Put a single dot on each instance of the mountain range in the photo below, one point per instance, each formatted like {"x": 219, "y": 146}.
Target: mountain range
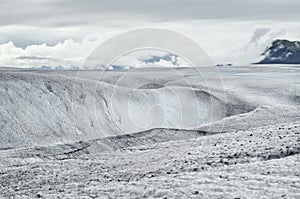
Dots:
{"x": 282, "y": 51}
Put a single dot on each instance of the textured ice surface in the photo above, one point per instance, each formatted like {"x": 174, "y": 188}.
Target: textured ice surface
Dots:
{"x": 60, "y": 136}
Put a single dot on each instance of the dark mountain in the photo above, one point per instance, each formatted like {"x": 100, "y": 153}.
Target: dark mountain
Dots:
{"x": 282, "y": 52}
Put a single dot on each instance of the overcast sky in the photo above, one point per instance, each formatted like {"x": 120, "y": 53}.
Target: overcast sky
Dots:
{"x": 64, "y": 32}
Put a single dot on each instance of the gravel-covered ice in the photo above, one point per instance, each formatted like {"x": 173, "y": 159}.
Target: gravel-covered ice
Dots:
{"x": 61, "y": 137}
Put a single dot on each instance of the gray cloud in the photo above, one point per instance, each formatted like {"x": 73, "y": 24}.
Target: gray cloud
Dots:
{"x": 78, "y": 12}
{"x": 258, "y": 33}
{"x": 36, "y": 58}
{"x": 25, "y": 36}
{"x": 221, "y": 26}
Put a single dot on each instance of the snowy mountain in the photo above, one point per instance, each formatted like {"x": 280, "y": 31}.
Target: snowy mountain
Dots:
{"x": 282, "y": 52}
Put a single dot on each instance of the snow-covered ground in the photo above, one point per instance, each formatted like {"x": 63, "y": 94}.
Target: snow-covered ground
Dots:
{"x": 153, "y": 132}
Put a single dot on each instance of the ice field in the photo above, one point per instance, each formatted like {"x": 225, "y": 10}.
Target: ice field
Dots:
{"x": 151, "y": 132}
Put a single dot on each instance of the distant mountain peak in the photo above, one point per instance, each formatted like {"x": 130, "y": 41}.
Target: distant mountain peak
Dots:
{"x": 282, "y": 51}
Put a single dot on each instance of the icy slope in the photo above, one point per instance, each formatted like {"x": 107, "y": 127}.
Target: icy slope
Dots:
{"x": 39, "y": 109}
{"x": 48, "y": 107}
